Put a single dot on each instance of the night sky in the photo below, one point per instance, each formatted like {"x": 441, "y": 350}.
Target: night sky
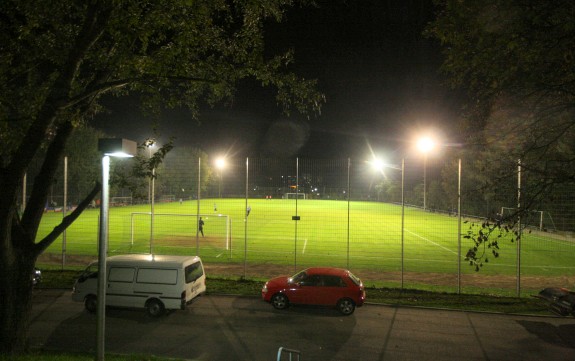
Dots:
{"x": 379, "y": 74}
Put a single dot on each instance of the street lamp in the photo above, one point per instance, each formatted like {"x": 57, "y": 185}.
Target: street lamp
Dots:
{"x": 111, "y": 147}
{"x": 151, "y": 143}
{"x": 425, "y": 145}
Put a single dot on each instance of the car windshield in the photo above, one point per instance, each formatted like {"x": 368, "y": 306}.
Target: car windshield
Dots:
{"x": 298, "y": 277}
{"x": 354, "y": 278}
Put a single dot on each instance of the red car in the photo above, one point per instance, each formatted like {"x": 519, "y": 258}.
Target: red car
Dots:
{"x": 316, "y": 286}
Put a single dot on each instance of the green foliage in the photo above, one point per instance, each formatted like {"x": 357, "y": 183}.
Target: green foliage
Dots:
{"x": 516, "y": 61}
{"x": 59, "y": 57}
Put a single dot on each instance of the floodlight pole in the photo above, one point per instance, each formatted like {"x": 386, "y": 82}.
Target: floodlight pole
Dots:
{"x": 402, "y": 218}
{"x": 425, "y": 182}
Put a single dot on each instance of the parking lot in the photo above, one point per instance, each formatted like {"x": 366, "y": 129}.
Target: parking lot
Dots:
{"x": 240, "y": 328}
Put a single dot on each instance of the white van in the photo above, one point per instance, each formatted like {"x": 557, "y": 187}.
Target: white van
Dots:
{"x": 154, "y": 282}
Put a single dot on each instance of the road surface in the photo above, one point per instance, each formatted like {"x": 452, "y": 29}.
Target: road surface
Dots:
{"x": 240, "y": 328}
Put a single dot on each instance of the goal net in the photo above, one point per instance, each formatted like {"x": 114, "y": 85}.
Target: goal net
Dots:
{"x": 172, "y": 230}
{"x": 294, "y": 196}
{"x": 167, "y": 198}
{"x": 540, "y": 220}
{"x": 120, "y": 201}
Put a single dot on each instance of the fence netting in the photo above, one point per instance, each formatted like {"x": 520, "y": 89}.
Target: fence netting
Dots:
{"x": 401, "y": 225}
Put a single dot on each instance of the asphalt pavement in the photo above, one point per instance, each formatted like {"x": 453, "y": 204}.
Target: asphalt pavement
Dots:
{"x": 243, "y": 328}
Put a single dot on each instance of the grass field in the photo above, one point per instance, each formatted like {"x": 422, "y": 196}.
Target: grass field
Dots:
{"x": 363, "y": 236}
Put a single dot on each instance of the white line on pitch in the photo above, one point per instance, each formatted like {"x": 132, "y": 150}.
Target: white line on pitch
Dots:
{"x": 304, "y": 246}
{"x": 430, "y": 241}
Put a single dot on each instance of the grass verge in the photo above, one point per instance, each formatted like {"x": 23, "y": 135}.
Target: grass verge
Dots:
{"x": 53, "y": 278}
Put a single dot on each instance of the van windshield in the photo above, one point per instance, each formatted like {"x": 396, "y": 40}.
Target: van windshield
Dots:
{"x": 91, "y": 271}
{"x": 193, "y": 272}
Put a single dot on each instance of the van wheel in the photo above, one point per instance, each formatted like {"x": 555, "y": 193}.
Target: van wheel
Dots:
{"x": 91, "y": 303}
{"x": 155, "y": 307}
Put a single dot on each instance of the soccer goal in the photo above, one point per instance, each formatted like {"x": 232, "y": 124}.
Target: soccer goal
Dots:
{"x": 167, "y": 198}
{"x": 294, "y": 196}
{"x": 120, "y": 201}
{"x": 175, "y": 230}
{"x": 540, "y": 220}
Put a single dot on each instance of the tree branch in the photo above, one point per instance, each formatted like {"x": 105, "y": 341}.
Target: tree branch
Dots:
{"x": 67, "y": 221}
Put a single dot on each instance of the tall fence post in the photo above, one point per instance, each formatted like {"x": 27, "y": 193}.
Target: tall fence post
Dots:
{"x": 459, "y": 227}
{"x": 402, "y": 219}
{"x": 198, "y": 207}
{"x": 64, "y": 210}
{"x": 296, "y": 214}
{"x": 246, "y": 222}
{"x": 348, "y": 206}
{"x": 519, "y": 235}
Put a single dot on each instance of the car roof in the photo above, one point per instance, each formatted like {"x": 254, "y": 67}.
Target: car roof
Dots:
{"x": 327, "y": 271}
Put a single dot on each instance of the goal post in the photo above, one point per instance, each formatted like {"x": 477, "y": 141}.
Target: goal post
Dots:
{"x": 167, "y": 198}
{"x": 175, "y": 226}
{"x": 294, "y": 196}
{"x": 540, "y": 220}
{"x": 120, "y": 201}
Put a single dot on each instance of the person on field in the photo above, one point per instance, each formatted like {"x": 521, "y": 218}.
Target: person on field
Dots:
{"x": 201, "y": 226}
{"x": 248, "y": 210}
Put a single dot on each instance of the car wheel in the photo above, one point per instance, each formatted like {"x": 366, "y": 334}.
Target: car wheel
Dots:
{"x": 91, "y": 303}
{"x": 346, "y": 306}
{"x": 280, "y": 301}
{"x": 155, "y": 307}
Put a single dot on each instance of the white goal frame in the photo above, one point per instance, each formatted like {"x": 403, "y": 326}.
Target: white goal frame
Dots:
{"x": 228, "y": 223}
{"x": 540, "y": 216}
{"x": 295, "y": 196}
{"x": 167, "y": 198}
{"x": 120, "y": 200}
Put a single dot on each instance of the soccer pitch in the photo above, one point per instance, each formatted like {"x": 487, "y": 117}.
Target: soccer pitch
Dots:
{"x": 362, "y": 236}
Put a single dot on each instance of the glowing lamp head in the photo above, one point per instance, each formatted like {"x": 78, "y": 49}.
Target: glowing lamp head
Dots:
{"x": 425, "y": 144}
{"x": 220, "y": 163}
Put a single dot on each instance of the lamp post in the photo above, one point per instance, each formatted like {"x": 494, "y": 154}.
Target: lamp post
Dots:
{"x": 151, "y": 143}
{"x": 425, "y": 145}
{"x": 120, "y": 148}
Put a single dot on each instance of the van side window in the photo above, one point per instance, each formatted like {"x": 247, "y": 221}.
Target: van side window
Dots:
{"x": 121, "y": 274}
{"x": 194, "y": 271}
{"x": 157, "y": 276}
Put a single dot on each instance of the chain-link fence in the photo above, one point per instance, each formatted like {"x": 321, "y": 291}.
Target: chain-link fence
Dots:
{"x": 396, "y": 225}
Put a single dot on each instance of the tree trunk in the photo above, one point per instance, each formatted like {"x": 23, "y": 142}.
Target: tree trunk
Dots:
{"x": 16, "y": 299}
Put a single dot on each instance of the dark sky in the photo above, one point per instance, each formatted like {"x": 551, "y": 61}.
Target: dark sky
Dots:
{"x": 379, "y": 74}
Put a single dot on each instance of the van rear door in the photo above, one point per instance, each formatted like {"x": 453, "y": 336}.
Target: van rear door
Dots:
{"x": 194, "y": 279}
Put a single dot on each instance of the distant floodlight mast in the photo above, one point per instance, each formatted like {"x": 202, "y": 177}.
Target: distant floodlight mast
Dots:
{"x": 119, "y": 148}
{"x": 220, "y": 165}
{"x": 425, "y": 145}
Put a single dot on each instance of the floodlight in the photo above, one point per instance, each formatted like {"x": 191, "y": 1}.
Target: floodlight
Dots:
{"x": 220, "y": 163}
{"x": 425, "y": 144}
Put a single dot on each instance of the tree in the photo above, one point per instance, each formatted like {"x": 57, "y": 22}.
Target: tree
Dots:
{"x": 515, "y": 59}
{"x": 59, "y": 57}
